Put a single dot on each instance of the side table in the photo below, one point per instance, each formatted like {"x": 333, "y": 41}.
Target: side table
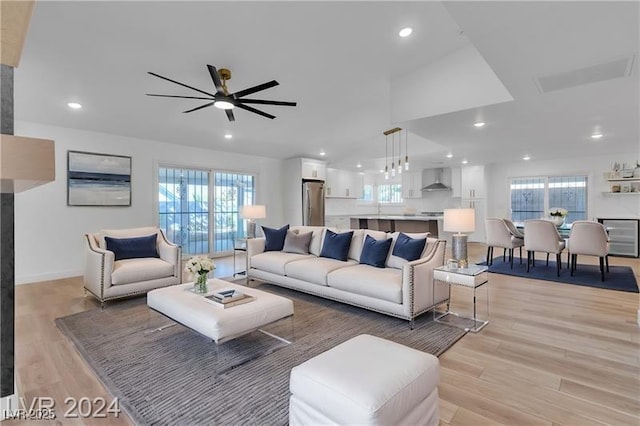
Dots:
{"x": 239, "y": 245}
{"x": 472, "y": 277}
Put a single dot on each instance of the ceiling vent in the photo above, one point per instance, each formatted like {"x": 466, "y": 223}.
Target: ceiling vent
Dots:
{"x": 614, "y": 69}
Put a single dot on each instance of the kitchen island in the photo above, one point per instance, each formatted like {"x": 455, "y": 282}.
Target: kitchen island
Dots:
{"x": 397, "y": 223}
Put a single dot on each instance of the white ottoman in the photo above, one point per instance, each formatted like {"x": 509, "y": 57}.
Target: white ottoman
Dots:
{"x": 366, "y": 381}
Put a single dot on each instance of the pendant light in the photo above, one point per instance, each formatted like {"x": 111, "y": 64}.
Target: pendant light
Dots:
{"x": 393, "y": 164}
{"x": 386, "y": 154}
{"x": 406, "y": 149}
{"x": 399, "y": 153}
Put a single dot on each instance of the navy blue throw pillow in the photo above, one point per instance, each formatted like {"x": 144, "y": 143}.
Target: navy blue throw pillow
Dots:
{"x": 336, "y": 246}
{"x": 133, "y": 248}
{"x": 408, "y": 248}
{"x": 274, "y": 238}
{"x": 374, "y": 252}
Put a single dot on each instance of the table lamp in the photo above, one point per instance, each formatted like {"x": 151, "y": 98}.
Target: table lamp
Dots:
{"x": 251, "y": 213}
{"x": 459, "y": 220}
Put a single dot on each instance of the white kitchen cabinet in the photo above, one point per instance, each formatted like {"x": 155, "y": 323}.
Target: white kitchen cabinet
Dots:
{"x": 412, "y": 184}
{"x": 456, "y": 182}
{"x": 343, "y": 184}
{"x": 313, "y": 169}
{"x": 471, "y": 182}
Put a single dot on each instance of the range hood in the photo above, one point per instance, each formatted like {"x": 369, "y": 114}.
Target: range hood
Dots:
{"x": 436, "y": 185}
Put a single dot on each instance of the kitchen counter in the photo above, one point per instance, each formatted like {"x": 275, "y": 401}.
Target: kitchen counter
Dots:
{"x": 397, "y": 223}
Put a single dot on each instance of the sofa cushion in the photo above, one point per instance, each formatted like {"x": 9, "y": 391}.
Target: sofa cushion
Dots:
{"x": 383, "y": 284}
{"x": 358, "y": 239}
{"x": 336, "y": 246}
{"x": 374, "y": 252}
{"x": 297, "y": 243}
{"x": 315, "y": 269}
{"x": 123, "y": 233}
{"x": 398, "y": 262}
{"x": 316, "y": 238}
{"x": 274, "y": 238}
{"x": 133, "y": 248}
{"x": 135, "y": 270}
{"x": 409, "y": 248}
{"x": 275, "y": 261}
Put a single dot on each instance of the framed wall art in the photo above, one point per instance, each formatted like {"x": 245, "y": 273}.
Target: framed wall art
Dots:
{"x": 98, "y": 179}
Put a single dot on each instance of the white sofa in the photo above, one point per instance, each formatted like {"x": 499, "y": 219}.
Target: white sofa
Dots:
{"x": 106, "y": 279}
{"x": 405, "y": 292}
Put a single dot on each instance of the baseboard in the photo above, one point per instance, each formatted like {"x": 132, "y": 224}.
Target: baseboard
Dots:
{"x": 48, "y": 276}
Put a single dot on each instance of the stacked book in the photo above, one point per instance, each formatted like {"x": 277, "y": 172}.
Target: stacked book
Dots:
{"x": 228, "y": 298}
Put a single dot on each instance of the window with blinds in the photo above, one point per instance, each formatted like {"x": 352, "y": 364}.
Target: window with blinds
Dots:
{"x": 531, "y": 198}
{"x": 232, "y": 191}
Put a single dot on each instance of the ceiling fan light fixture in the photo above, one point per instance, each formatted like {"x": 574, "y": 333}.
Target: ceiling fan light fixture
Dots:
{"x": 223, "y": 105}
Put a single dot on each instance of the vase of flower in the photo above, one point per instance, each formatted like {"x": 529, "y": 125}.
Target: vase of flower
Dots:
{"x": 199, "y": 267}
{"x": 557, "y": 216}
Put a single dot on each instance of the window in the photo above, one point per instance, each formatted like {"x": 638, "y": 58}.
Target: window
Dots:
{"x": 531, "y": 198}
{"x": 390, "y": 193}
{"x": 367, "y": 193}
{"x": 183, "y": 208}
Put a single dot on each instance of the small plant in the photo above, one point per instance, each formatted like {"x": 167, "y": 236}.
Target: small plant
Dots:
{"x": 558, "y": 212}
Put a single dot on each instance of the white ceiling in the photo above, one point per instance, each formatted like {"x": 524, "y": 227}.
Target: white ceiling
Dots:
{"x": 337, "y": 60}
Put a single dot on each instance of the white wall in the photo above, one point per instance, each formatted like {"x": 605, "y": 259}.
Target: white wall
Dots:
{"x": 49, "y": 234}
{"x": 599, "y": 205}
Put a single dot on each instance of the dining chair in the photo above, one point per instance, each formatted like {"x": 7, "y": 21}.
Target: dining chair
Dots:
{"x": 590, "y": 239}
{"x": 498, "y": 235}
{"x": 541, "y": 235}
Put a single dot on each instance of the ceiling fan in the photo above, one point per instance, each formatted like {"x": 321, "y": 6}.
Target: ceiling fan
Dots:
{"x": 223, "y": 99}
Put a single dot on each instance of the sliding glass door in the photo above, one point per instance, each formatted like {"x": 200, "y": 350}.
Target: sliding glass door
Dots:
{"x": 232, "y": 191}
{"x": 183, "y": 208}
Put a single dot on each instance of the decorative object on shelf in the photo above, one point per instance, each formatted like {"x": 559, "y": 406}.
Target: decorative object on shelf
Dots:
{"x": 557, "y": 215}
{"x": 98, "y": 179}
{"x": 251, "y": 213}
{"x": 459, "y": 220}
{"x": 199, "y": 267}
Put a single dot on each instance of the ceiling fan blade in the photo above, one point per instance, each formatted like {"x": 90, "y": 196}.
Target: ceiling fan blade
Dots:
{"x": 183, "y": 97}
{"x": 200, "y": 107}
{"x": 181, "y": 84}
{"x": 256, "y": 111}
{"x": 230, "y": 115}
{"x": 255, "y": 89}
{"x": 216, "y": 78}
{"x": 264, "y": 102}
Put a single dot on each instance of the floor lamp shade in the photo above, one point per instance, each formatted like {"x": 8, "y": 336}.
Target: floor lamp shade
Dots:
{"x": 251, "y": 213}
{"x": 459, "y": 220}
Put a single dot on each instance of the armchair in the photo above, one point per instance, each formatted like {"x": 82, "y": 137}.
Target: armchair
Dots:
{"x": 107, "y": 278}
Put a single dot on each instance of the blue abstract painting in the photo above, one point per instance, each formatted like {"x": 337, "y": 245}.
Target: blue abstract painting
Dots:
{"x": 98, "y": 179}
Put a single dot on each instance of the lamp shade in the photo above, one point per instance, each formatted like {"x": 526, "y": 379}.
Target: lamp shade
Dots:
{"x": 253, "y": 212}
{"x": 459, "y": 220}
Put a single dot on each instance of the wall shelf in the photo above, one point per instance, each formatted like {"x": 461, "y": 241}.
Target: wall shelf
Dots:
{"x": 633, "y": 179}
{"x": 620, "y": 193}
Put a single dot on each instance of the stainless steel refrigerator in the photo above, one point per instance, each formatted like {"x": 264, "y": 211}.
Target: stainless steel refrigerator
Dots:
{"x": 312, "y": 202}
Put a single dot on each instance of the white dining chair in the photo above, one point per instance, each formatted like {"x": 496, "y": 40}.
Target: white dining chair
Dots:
{"x": 498, "y": 235}
{"x": 590, "y": 239}
{"x": 542, "y": 236}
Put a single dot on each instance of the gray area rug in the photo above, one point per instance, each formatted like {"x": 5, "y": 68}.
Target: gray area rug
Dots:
{"x": 177, "y": 377}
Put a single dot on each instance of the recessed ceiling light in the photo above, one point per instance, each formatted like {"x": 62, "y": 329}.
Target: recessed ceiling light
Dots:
{"x": 479, "y": 124}
{"x": 228, "y": 135}
{"x": 526, "y": 158}
{"x": 322, "y": 153}
{"x": 596, "y": 135}
{"x": 381, "y": 170}
{"x": 449, "y": 155}
{"x": 359, "y": 165}
{"x": 74, "y": 105}
{"x": 362, "y": 173}
{"x": 465, "y": 161}
{"x": 405, "y": 32}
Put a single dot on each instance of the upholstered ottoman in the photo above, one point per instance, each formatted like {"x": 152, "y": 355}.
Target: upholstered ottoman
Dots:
{"x": 367, "y": 381}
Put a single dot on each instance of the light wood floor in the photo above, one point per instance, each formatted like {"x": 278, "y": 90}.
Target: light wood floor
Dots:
{"x": 552, "y": 354}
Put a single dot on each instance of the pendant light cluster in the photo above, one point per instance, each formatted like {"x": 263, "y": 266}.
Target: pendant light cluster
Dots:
{"x": 399, "y": 168}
